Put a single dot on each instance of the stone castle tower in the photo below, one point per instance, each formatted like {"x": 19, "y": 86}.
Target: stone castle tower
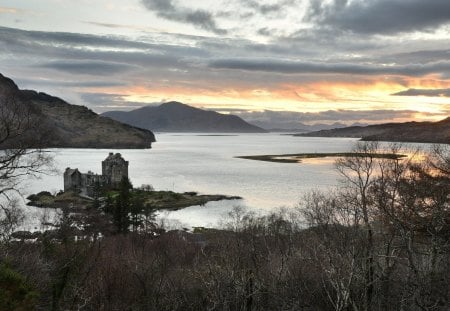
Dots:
{"x": 114, "y": 168}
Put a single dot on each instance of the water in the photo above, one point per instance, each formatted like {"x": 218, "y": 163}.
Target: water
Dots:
{"x": 207, "y": 164}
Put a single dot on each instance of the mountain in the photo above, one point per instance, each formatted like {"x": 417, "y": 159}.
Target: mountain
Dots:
{"x": 65, "y": 125}
{"x": 178, "y": 117}
{"x": 421, "y": 132}
{"x": 304, "y": 128}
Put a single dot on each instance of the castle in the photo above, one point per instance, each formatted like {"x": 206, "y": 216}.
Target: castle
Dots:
{"x": 114, "y": 168}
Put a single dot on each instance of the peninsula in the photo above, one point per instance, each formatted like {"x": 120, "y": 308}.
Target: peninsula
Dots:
{"x": 59, "y": 124}
{"x": 298, "y": 157}
{"x": 416, "y": 132}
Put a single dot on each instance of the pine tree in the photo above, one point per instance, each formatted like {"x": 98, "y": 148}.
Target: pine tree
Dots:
{"x": 122, "y": 208}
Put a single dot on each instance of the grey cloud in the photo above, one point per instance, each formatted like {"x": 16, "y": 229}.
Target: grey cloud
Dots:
{"x": 68, "y": 84}
{"x": 268, "y": 10}
{"x": 420, "y": 55}
{"x": 36, "y": 45}
{"x": 102, "y": 98}
{"x": 264, "y": 31}
{"x": 103, "y": 102}
{"x": 265, "y": 9}
{"x": 297, "y": 67}
{"x": 381, "y": 16}
{"x": 11, "y": 35}
{"x": 199, "y": 18}
{"x": 425, "y": 92}
{"x": 88, "y": 67}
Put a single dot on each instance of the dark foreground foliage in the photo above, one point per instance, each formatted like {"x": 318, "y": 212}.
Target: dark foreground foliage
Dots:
{"x": 266, "y": 264}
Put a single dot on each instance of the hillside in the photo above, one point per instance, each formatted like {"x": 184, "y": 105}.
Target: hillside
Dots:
{"x": 70, "y": 126}
{"x": 421, "y": 132}
{"x": 177, "y": 117}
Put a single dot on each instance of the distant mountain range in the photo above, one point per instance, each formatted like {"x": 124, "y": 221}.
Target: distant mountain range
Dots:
{"x": 305, "y": 128}
{"x": 178, "y": 117}
{"x": 421, "y": 132}
{"x": 71, "y": 126}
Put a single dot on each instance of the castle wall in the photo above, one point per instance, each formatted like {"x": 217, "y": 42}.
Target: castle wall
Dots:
{"x": 114, "y": 168}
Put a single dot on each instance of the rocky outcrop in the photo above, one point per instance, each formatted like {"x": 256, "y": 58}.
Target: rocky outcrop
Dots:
{"x": 73, "y": 126}
{"x": 178, "y": 117}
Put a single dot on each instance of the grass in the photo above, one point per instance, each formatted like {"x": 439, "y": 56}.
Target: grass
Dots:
{"x": 297, "y": 157}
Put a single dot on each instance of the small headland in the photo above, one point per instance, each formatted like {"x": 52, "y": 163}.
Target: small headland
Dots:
{"x": 298, "y": 157}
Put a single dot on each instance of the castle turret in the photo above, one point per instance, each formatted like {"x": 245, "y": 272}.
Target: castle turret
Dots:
{"x": 114, "y": 168}
{"x": 72, "y": 179}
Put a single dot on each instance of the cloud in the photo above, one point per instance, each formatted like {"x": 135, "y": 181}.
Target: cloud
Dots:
{"x": 380, "y": 16}
{"x": 39, "y": 83}
{"x": 425, "y": 92}
{"x": 108, "y": 52}
{"x": 205, "y": 69}
{"x": 15, "y": 36}
{"x": 8, "y": 10}
{"x": 298, "y": 67}
{"x": 88, "y": 67}
{"x": 167, "y": 9}
{"x": 106, "y": 102}
{"x": 266, "y": 9}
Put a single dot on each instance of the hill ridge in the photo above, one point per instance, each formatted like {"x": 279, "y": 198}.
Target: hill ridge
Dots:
{"x": 174, "y": 116}
{"x": 73, "y": 126}
{"x": 412, "y": 131}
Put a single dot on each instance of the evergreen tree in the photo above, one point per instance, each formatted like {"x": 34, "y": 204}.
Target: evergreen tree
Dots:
{"x": 96, "y": 193}
{"x": 122, "y": 206}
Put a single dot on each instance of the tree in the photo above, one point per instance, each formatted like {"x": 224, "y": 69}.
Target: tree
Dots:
{"x": 136, "y": 211}
{"x": 122, "y": 207}
{"x": 15, "y": 292}
{"x": 413, "y": 200}
{"x": 386, "y": 231}
{"x": 23, "y": 133}
{"x": 149, "y": 214}
{"x": 96, "y": 193}
{"x": 358, "y": 174}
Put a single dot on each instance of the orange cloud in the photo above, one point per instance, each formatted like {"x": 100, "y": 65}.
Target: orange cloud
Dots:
{"x": 8, "y": 10}
{"x": 365, "y": 94}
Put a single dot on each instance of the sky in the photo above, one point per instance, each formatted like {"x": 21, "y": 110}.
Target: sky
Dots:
{"x": 273, "y": 61}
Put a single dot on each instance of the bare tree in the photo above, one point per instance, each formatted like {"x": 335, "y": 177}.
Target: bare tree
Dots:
{"x": 413, "y": 201}
{"x": 358, "y": 173}
{"x": 23, "y": 132}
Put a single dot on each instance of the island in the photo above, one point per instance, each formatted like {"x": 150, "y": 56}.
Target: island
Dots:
{"x": 157, "y": 200}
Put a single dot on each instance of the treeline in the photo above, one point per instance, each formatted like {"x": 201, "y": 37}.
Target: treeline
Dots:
{"x": 379, "y": 242}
